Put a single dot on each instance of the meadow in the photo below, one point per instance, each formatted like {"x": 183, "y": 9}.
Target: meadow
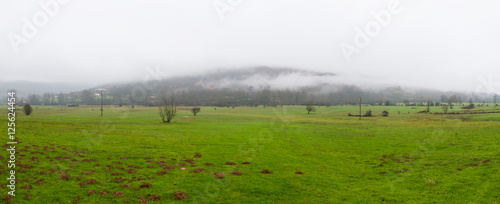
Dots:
{"x": 73, "y": 155}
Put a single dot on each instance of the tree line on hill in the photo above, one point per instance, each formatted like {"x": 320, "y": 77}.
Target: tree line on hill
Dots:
{"x": 343, "y": 95}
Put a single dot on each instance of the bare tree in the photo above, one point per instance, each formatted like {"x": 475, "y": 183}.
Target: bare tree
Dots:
{"x": 196, "y": 110}
{"x": 167, "y": 109}
{"x": 310, "y": 107}
{"x": 445, "y": 109}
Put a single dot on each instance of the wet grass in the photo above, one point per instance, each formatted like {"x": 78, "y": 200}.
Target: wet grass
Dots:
{"x": 406, "y": 157}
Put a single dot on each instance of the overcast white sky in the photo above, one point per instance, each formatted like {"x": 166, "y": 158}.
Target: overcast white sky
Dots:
{"x": 444, "y": 44}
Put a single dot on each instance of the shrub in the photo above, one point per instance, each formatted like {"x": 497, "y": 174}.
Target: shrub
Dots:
{"x": 27, "y": 109}
{"x": 385, "y": 113}
{"x": 196, "y": 110}
{"x": 310, "y": 107}
{"x": 368, "y": 113}
{"x": 445, "y": 109}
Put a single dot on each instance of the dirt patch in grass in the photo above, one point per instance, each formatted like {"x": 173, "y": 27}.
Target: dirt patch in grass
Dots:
{"x": 179, "y": 195}
{"x": 130, "y": 171}
{"x": 246, "y": 162}
{"x": 118, "y": 194}
{"x": 119, "y": 179}
{"x": 161, "y": 173}
{"x": 209, "y": 164}
{"x": 155, "y": 198}
{"x": 299, "y": 172}
{"x": 219, "y": 175}
{"x": 8, "y": 198}
{"x": 135, "y": 167}
{"x": 485, "y": 161}
{"x": 198, "y": 170}
{"x": 90, "y": 192}
{"x": 26, "y": 186}
{"x": 230, "y": 163}
{"x": 126, "y": 186}
{"x": 197, "y": 155}
{"x": 145, "y": 185}
{"x": 236, "y": 173}
{"x": 189, "y": 161}
{"x": 266, "y": 171}
{"x": 39, "y": 182}
{"x": 77, "y": 198}
{"x": 28, "y": 195}
{"x": 143, "y": 199}
{"x": 151, "y": 166}
{"x": 168, "y": 168}
{"x": 89, "y": 182}
{"x": 103, "y": 192}
{"x": 116, "y": 174}
{"x": 88, "y": 172}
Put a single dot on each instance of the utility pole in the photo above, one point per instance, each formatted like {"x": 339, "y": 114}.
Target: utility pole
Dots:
{"x": 428, "y": 105}
{"x": 101, "y": 102}
{"x": 360, "y": 98}
{"x": 495, "y": 101}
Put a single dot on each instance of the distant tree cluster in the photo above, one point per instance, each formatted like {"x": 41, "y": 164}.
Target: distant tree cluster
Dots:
{"x": 187, "y": 94}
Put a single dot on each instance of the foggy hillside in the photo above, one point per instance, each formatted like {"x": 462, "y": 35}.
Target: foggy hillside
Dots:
{"x": 257, "y": 78}
{"x": 26, "y": 88}
{"x": 248, "y": 87}
{"x": 271, "y": 86}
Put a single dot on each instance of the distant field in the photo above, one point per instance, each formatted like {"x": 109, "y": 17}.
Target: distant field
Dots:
{"x": 406, "y": 157}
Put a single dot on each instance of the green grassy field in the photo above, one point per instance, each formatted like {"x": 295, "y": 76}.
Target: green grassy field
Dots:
{"x": 406, "y": 157}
